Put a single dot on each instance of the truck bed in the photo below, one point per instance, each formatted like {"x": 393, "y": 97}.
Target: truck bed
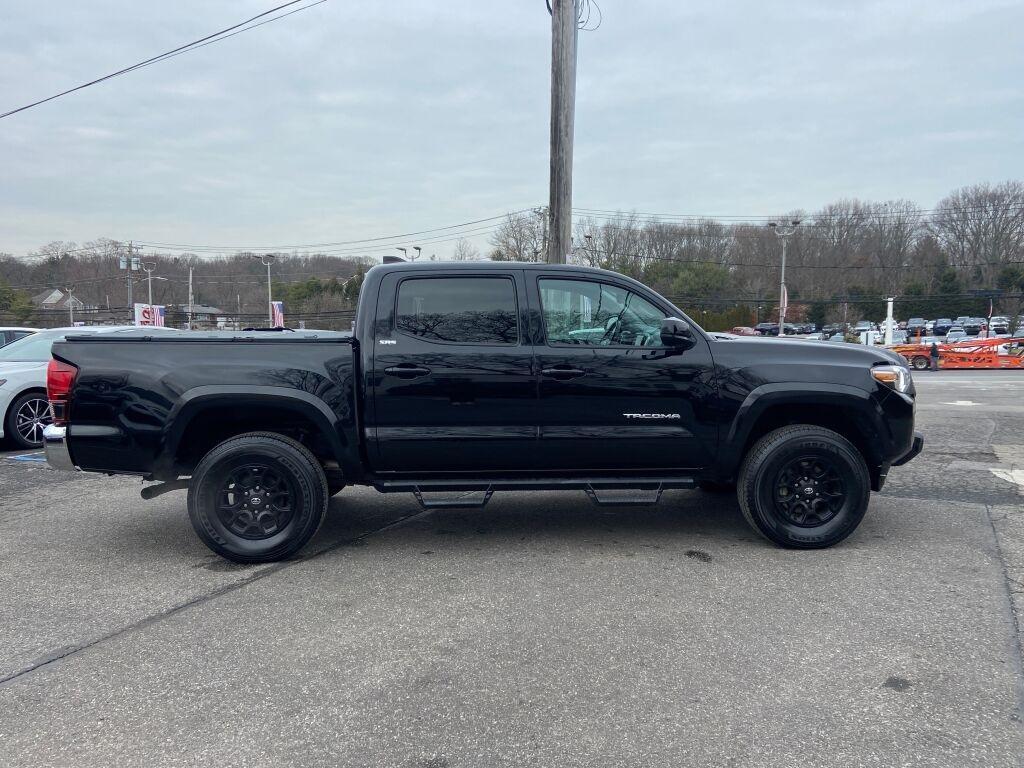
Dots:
{"x": 143, "y": 404}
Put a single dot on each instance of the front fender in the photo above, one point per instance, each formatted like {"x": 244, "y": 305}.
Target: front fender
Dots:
{"x": 864, "y": 410}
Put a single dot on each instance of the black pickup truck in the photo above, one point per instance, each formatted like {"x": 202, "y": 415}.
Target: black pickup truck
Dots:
{"x": 484, "y": 377}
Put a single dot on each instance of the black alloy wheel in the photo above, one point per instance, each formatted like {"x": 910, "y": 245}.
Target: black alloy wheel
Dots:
{"x": 257, "y": 501}
{"x": 257, "y": 497}
{"x": 804, "y": 486}
{"x": 809, "y": 491}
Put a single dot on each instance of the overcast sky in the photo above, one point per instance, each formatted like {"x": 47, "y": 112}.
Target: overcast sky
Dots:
{"x": 360, "y": 119}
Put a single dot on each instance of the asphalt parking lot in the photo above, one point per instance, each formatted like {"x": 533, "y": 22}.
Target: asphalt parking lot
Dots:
{"x": 539, "y": 631}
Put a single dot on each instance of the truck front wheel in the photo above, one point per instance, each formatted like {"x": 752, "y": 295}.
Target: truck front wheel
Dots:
{"x": 804, "y": 486}
{"x": 257, "y": 497}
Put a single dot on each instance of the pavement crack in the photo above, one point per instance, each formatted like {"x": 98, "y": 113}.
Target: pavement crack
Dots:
{"x": 68, "y": 651}
{"x": 1009, "y": 583}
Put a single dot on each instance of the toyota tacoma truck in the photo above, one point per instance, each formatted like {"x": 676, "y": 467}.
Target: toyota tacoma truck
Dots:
{"x": 459, "y": 380}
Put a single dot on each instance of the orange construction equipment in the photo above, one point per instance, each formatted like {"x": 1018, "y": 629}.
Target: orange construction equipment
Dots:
{"x": 974, "y": 353}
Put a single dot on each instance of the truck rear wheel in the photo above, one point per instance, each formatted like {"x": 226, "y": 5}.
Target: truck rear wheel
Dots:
{"x": 804, "y": 486}
{"x": 257, "y": 498}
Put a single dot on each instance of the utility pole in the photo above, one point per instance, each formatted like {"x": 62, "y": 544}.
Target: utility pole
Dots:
{"x": 564, "y": 32}
{"x": 267, "y": 259}
{"x": 784, "y": 232}
{"x": 70, "y": 289}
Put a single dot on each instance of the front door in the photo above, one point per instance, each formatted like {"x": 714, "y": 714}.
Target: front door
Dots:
{"x": 612, "y": 397}
{"x": 452, "y": 375}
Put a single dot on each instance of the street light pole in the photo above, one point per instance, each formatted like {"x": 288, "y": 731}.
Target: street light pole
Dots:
{"x": 267, "y": 259}
{"x": 418, "y": 252}
{"x": 784, "y": 232}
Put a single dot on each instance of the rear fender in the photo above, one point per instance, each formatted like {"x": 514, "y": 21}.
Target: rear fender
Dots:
{"x": 204, "y": 401}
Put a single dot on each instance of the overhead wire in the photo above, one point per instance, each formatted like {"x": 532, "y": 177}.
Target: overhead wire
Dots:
{"x": 199, "y": 43}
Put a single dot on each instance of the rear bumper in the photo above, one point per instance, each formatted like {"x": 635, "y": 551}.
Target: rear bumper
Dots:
{"x": 915, "y": 448}
{"x": 55, "y": 445}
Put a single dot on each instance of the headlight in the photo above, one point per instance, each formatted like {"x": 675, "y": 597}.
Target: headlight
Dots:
{"x": 893, "y": 376}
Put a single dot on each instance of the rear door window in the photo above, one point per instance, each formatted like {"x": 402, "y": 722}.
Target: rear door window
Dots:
{"x": 459, "y": 310}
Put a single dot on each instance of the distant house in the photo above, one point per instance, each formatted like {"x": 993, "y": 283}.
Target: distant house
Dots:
{"x": 202, "y": 314}
{"x": 57, "y": 298}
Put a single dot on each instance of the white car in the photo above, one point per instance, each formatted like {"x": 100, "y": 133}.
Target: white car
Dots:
{"x": 24, "y": 409}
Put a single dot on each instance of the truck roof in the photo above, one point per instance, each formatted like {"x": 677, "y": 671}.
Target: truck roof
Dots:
{"x": 478, "y": 266}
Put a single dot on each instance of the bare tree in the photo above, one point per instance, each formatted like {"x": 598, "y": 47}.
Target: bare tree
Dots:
{"x": 465, "y": 251}
{"x": 521, "y": 237}
{"x": 982, "y": 226}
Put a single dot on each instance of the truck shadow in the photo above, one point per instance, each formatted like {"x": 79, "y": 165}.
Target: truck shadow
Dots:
{"x": 356, "y": 521}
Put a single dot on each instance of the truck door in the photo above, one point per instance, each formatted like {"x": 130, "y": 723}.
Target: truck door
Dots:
{"x": 452, "y": 374}
{"x": 611, "y": 395}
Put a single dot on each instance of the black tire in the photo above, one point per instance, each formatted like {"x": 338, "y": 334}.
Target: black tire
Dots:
{"x": 714, "y": 486}
{"x": 777, "y": 473}
{"x": 34, "y": 407}
{"x": 257, "y": 498}
{"x": 920, "y": 363}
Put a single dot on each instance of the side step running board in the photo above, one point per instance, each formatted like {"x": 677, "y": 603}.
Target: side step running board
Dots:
{"x": 602, "y": 491}
{"x": 612, "y": 498}
{"x": 458, "y": 502}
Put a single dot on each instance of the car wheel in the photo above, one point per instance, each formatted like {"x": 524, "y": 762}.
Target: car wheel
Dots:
{"x": 920, "y": 363}
{"x": 804, "y": 486}
{"x": 257, "y": 498}
{"x": 26, "y": 418}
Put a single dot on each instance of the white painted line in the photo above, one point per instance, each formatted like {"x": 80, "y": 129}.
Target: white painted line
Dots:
{"x": 1015, "y": 476}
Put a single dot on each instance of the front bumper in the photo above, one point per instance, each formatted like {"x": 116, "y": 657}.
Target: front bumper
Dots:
{"x": 55, "y": 445}
{"x": 915, "y": 449}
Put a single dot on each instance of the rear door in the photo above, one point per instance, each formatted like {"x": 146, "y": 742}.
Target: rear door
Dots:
{"x": 452, "y": 373}
{"x": 611, "y": 396}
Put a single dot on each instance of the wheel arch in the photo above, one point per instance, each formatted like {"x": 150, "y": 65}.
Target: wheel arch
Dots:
{"x": 846, "y": 410}
{"x": 206, "y": 416}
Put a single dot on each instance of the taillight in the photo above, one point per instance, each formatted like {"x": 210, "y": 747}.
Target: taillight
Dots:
{"x": 60, "y": 377}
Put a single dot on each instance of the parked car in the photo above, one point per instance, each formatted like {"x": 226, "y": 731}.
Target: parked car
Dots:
{"x": 767, "y": 329}
{"x": 445, "y": 385}
{"x": 941, "y": 326}
{"x": 7, "y": 335}
{"x": 863, "y": 326}
{"x": 999, "y": 325}
{"x": 24, "y": 411}
{"x": 916, "y": 325}
{"x": 743, "y": 330}
{"x": 955, "y": 334}
{"x": 974, "y": 326}
{"x": 834, "y": 328}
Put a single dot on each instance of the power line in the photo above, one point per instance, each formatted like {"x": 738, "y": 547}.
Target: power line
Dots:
{"x": 733, "y": 219}
{"x": 201, "y": 42}
{"x": 295, "y": 246}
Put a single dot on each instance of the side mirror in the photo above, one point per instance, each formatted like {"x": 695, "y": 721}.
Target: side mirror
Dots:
{"x": 677, "y": 333}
